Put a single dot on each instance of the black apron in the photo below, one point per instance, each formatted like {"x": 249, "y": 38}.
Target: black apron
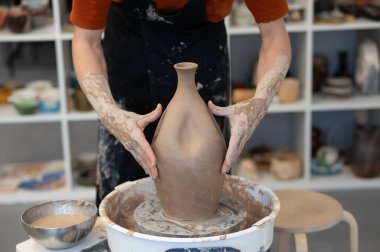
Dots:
{"x": 141, "y": 45}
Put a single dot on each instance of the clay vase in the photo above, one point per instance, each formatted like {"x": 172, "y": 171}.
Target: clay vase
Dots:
{"x": 190, "y": 150}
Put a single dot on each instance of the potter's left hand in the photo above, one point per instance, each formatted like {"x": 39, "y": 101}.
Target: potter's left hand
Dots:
{"x": 244, "y": 117}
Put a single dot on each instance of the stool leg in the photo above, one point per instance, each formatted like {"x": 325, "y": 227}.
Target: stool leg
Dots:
{"x": 301, "y": 242}
{"x": 283, "y": 242}
{"x": 354, "y": 236}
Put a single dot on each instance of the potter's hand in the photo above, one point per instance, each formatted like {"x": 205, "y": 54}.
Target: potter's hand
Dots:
{"x": 245, "y": 116}
{"x": 126, "y": 126}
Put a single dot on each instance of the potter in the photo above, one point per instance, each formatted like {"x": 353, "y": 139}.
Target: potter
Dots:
{"x": 129, "y": 77}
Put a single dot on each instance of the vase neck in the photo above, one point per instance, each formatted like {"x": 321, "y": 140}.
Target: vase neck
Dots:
{"x": 186, "y": 76}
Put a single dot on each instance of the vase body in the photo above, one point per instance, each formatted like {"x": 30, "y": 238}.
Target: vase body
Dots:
{"x": 190, "y": 150}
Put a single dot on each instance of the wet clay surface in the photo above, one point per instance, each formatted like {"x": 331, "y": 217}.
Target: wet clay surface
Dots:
{"x": 190, "y": 150}
{"x": 120, "y": 207}
{"x": 244, "y": 193}
{"x": 150, "y": 219}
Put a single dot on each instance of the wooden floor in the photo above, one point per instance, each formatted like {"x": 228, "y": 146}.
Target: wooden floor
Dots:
{"x": 364, "y": 205}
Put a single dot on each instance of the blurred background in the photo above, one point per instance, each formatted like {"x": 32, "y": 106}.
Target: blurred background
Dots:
{"x": 322, "y": 131}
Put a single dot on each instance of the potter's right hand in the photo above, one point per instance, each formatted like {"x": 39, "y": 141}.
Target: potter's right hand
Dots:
{"x": 128, "y": 128}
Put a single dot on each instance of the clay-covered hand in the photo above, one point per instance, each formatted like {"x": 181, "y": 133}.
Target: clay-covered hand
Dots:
{"x": 126, "y": 126}
{"x": 246, "y": 115}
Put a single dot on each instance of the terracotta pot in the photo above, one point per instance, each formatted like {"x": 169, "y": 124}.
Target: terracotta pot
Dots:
{"x": 364, "y": 158}
{"x": 19, "y": 20}
{"x": 289, "y": 90}
{"x": 242, "y": 94}
{"x": 190, "y": 150}
{"x": 286, "y": 165}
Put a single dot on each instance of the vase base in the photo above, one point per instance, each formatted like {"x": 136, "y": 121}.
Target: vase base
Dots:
{"x": 150, "y": 219}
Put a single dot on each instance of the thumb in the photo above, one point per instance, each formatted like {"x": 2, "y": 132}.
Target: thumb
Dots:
{"x": 151, "y": 117}
{"x": 219, "y": 111}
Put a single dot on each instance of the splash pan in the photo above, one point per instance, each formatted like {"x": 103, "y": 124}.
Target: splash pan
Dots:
{"x": 260, "y": 203}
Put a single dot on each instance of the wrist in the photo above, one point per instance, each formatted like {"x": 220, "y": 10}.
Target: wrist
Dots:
{"x": 260, "y": 94}
{"x": 105, "y": 110}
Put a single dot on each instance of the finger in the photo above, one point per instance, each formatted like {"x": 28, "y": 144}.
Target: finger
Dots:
{"x": 219, "y": 111}
{"x": 140, "y": 141}
{"x": 138, "y": 159}
{"x": 146, "y": 153}
{"x": 151, "y": 158}
{"x": 231, "y": 153}
{"x": 144, "y": 150}
{"x": 151, "y": 117}
{"x": 143, "y": 162}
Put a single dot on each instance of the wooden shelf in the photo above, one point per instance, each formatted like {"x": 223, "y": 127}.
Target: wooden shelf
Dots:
{"x": 357, "y": 102}
{"x": 343, "y": 181}
{"x": 9, "y": 115}
{"x": 246, "y": 30}
{"x": 359, "y": 24}
{"x": 23, "y": 196}
{"x": 82, "y": 116}
{"x": 67, "y": 36}
{"x": 46, "y": 33}
{"x": 298, "y": 106}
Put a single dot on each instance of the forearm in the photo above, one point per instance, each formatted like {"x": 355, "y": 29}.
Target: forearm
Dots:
{"x": 274, "y": 60}
{"x": 90, "y": 68}
{"x": 127, "y": 127}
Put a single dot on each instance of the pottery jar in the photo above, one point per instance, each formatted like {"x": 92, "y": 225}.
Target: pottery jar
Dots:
{"x": 286, "y": 165}
{"x": 190, "y": 150}
{"x": 364, "y": 156}
{"x": 289, "y": 90}
{"x": 18, "y": 20}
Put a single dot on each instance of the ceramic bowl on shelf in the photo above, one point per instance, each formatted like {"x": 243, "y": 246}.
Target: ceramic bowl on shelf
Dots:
{"x": 60, "y": 236}
{"x": 49, "y": 100}
{"x": 85, "y": 166}
{"x": 25, "y": 101}
{"x": 3, "y": 16}
{"x": 242, "y": 94}
{"x": 18, "y": 20}
{"x": 49, "y": 106}
{"x": 39, "y": 86}
{"x": 39, "y": 11}
{"x": 26, "y": 107}
{"x": 327, "y": 161}
{"x": 326, "y": 170}
{"x": 286, "y": 165}
{"x": 289, "y": 90}
{"x": 23, "y": 94}
{"x": 4, "y": 94}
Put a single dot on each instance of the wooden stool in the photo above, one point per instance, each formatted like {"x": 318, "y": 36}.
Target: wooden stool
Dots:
{"x": 304, "y": 212}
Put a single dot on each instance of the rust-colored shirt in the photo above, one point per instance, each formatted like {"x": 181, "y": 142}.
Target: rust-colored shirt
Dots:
{"x": 92, "y": 14}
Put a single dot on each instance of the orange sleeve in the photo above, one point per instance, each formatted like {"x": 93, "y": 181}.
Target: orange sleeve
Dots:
{"x": 90, "y": 14}
{"x": 266, "y": 11}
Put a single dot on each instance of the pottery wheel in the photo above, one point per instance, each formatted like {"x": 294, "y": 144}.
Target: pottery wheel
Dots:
{"x": 150, "y": 219}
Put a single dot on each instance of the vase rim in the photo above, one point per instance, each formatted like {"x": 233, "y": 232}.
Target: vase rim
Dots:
{"x": 186, "y": 65}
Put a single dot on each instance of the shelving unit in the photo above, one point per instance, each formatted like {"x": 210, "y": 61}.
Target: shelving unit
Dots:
{"x": 296, "y": 119}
